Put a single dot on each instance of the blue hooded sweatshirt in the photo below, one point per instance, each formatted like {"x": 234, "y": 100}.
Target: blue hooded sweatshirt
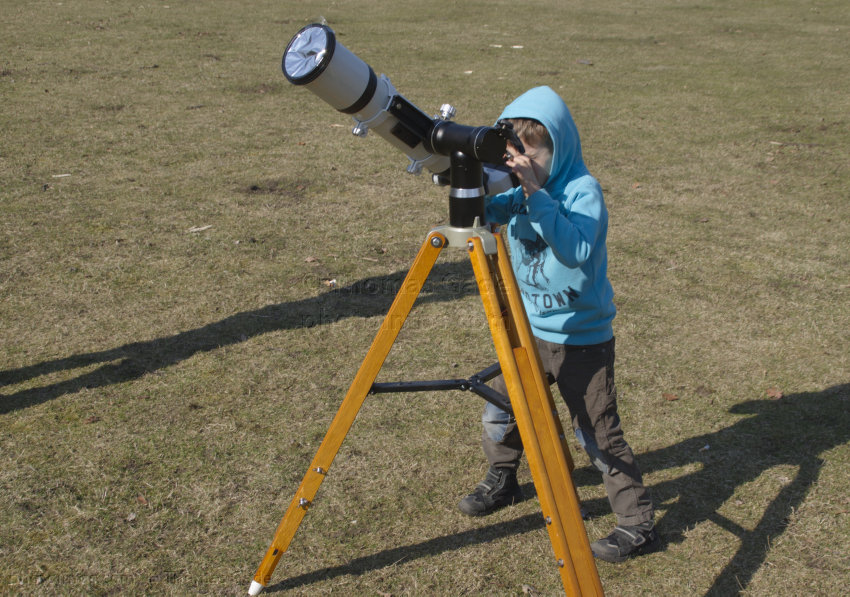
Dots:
{"x": 557, "y": 235}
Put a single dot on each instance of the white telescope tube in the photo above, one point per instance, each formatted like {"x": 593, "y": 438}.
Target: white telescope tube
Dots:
{"x": 315, "y": 60}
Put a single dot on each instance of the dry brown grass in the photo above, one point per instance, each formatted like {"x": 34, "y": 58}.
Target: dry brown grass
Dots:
{"x": 164, "y": 389}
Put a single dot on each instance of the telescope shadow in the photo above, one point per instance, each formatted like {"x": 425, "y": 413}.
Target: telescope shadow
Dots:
{"x": 794, "y": 430}
{"x": 367, "y": 297}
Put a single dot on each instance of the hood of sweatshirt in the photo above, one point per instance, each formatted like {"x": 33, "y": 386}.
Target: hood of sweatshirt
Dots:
{"x": 547, "y": 107}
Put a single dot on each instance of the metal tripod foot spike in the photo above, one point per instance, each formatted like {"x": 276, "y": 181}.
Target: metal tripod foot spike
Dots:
{"x": 528, "y": 390}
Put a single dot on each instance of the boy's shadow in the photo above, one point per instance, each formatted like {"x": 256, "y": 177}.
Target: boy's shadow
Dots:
{"x": 792, "y": 431}
{"x": 367, "y": 297}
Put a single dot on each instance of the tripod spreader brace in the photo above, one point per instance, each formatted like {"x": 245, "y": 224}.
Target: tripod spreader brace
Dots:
{"x": 477, "y": 384}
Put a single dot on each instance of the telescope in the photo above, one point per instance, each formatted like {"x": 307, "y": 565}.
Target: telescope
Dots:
{"x": 315, "y": 60}
{"x": 470, "y": 159}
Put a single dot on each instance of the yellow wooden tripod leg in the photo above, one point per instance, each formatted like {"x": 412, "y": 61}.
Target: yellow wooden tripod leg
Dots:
{"x": 510, "y": 295}
{"x": 539, "y": 426}
{"x": 577, "y": 540}
{"x": 351, "y": 405}
{"x": 501, "y": 333}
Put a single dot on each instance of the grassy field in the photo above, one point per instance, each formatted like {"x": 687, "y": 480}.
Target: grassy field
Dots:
{"x": 172, "y": 350}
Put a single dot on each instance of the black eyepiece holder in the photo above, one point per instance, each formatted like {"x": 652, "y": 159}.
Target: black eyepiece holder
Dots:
{"x": 466, "y": 194}
{"x": 468, "y": 149}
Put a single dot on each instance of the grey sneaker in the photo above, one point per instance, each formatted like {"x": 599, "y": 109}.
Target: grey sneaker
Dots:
{"x": 498, "y": 489}
{"x": 625, "y": 542}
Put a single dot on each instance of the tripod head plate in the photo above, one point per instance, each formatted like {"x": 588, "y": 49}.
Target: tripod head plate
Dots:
{"x": 459, "y": 238}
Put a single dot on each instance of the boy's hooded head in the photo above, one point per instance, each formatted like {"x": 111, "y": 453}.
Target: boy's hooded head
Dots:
{"x": 545, "y": 106}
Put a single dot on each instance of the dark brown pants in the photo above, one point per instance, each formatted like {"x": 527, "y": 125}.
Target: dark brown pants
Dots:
{"x": 585, "y": 378}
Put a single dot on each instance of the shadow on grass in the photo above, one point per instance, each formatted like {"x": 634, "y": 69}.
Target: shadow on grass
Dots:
{"x": 794, "y": 430}
{"x": 369, "y": 297}
{"x": 400, "y": 555}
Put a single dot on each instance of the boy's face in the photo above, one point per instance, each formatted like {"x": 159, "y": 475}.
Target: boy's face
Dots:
{"x": 540, "y": 159}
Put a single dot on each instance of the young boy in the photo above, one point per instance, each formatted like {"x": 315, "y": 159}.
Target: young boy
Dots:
{"x": 556, "y": 229}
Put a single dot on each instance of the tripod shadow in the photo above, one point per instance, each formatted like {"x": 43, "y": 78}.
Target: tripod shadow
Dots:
{"x": 367, "y": 297}
{"x": 794, "y": 430}
{"x": 407, "y": 553}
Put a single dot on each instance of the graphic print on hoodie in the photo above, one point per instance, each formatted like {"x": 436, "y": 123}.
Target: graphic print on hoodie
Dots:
{"x": 532, "y": 262}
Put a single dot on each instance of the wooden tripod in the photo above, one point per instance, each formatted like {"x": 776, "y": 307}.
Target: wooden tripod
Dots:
{"x": 530, "y": 399}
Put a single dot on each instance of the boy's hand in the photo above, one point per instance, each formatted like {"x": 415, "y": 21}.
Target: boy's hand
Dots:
{"x": 522, "y": 166}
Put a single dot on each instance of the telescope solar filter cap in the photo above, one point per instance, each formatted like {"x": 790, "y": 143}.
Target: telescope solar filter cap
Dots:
{"x": 314, "y": 59}
{"x": 308, "y": 54}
